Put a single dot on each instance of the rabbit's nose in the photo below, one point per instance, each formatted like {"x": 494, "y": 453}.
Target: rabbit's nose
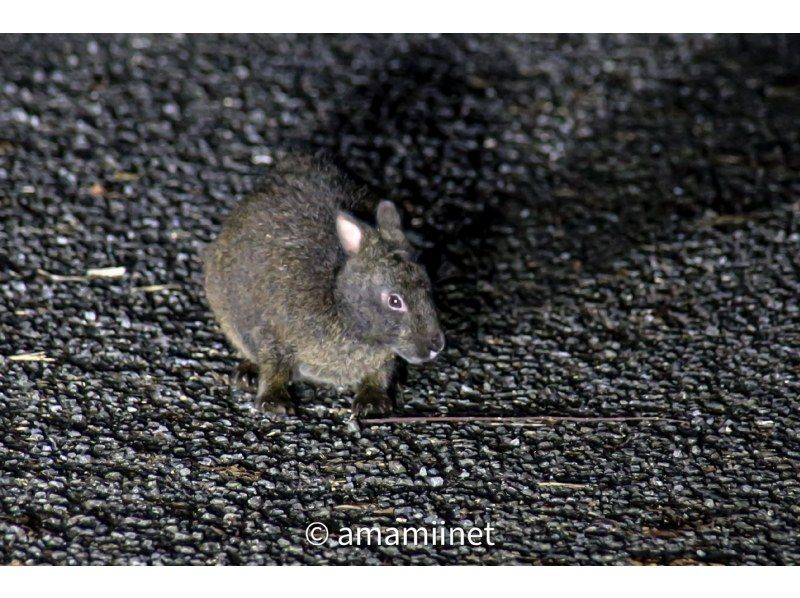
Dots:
{"x": 436, "y": 344}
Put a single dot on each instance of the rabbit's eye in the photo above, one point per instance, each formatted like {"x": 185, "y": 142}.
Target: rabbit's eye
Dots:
{"x": 395, "y": 301}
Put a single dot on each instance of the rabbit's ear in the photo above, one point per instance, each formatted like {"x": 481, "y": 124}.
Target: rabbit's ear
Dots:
{"x": 389, "y": 225}
{"x": 387, "y": 216}
{"x": 350, "y": 234}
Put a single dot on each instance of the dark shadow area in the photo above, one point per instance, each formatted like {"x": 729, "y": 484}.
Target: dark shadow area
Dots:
{"x": 466, "y": 141}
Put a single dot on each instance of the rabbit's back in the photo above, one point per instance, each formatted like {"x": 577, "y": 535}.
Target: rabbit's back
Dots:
{"x": 274, "y": 262}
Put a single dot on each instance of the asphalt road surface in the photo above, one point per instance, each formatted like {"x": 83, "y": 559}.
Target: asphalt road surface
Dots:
{"x": 613, "y": 228}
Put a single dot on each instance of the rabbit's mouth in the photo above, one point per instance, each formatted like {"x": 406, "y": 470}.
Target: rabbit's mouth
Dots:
{"x": 417, "y": 359}
{"x": 424, "y": 349}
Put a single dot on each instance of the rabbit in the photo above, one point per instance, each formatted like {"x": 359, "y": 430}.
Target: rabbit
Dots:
{"x": 307, "y": 292}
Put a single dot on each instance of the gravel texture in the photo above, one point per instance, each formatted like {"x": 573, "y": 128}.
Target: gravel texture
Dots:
{"x": 613, "y": 226}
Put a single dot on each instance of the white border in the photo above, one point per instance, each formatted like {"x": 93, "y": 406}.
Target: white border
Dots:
{"x": 560, "y": 582}
{"x": 399, "y": 15}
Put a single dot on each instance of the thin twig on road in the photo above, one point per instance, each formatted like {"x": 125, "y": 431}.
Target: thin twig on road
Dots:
{"x": 516, "y": 420}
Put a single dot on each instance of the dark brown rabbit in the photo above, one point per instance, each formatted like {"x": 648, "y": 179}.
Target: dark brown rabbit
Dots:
{"x": 305, "y": 291}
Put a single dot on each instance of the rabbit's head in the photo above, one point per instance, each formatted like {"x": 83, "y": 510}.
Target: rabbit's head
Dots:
{"x": 383, "y": 295}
